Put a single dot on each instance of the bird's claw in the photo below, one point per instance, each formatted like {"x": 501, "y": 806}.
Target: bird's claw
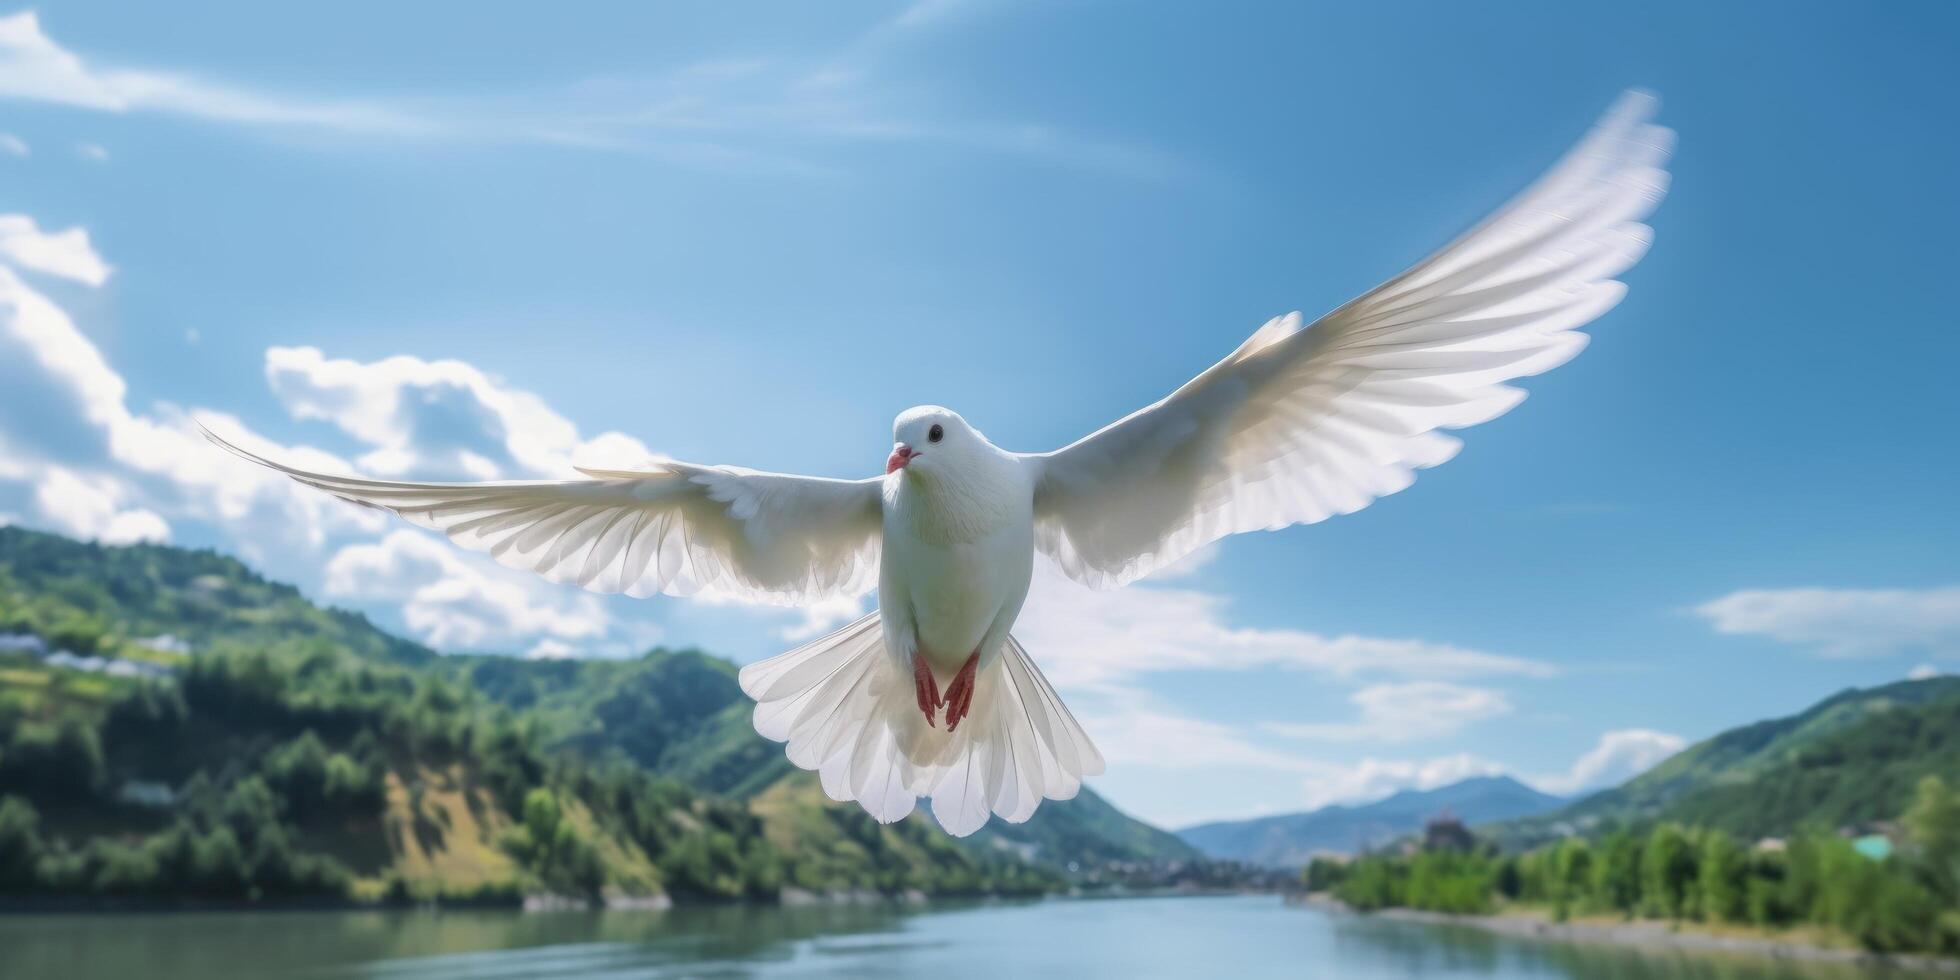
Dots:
{"x": 959, "y": 694}
{"x": 926, "y": 688}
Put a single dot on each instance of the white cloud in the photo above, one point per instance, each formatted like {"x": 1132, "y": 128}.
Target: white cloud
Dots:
{"x": 13, "y": 145}
{"x": 34, "y": 67}
{"x": 441, "y": 419}
{"x": 719, "y": 113}
{"x": 1923, "y": 672}
{"x": 1372, "y": 779}
{"x": 822, "y": 617}
{"x": 1405, "y": 712}
{"x": 93, "y": 509}
{"x": 1130, "y": 727}
{"x": 1843, "y": 622}
{"x": 550, "y": 649}
{"x": 1619, "y": 756}
{"x": 92, "y": 152}
{"x": 1087, "y": 637}
{"x": 67, "y": 425}
{"x": 457, "y": 601}
{"x": 67, "y": 254}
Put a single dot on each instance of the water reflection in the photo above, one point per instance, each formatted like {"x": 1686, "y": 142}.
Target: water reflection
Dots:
{"x": 1240, "y": 937}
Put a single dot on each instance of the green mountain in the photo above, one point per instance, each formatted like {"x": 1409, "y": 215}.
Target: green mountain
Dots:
{"x": 681, "y": 714}
{"x": 173, "y": 726}
{"x": 90, "y": 598}
{"x": 1852, "y": 758}
{"x": 1291, "y": 840}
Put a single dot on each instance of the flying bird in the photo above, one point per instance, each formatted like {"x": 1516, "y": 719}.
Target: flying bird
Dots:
{"x": 931, "y": 695}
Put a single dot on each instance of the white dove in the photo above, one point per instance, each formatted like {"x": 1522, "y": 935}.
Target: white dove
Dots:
{"x": 931, "y": 695}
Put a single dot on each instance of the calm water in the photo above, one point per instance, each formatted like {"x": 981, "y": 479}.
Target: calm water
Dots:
{"x": 1253, "y": 936}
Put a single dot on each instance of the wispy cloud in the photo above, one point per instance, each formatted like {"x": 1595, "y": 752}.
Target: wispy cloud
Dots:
{"x": 1843, "y": 622}
{"x": 1404, "y": 713}
{"x": 780, "y": 113}
{"x": 1099, "y": 638}
{"x": 14, "y": 146}
{"x": 34, "y": 67}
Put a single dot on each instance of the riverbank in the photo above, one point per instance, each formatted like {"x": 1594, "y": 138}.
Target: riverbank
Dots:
{"x": 1647, "y": 934}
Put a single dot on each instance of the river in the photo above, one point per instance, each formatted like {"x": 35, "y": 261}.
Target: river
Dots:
{"x": 1237, "y": 936}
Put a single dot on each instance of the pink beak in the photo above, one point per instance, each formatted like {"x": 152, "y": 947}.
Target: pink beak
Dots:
{"x": 901, "y": 455}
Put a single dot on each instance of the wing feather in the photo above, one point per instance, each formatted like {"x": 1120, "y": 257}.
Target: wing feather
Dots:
{"x": 677, "y": 528}
{"x": 1300, "y": 424}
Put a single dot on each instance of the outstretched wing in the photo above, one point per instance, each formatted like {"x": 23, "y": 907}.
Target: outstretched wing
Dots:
{"x": 1301, "y": 424}
{"x": 679, "y": 528}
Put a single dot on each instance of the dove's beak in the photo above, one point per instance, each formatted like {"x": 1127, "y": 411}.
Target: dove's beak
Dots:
{"x": 901, "y": 455}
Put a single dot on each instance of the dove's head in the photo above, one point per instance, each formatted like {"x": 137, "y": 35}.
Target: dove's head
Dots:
{"x": 929, "y": 439}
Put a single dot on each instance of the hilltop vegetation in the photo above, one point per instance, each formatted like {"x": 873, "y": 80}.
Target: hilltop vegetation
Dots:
{"x": 270, "y": 748}
{"x": 1854, "y": 758}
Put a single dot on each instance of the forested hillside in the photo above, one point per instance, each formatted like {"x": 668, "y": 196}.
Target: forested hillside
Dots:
{"x": 1853, "y": 758}
{"x": 172, "y": 726}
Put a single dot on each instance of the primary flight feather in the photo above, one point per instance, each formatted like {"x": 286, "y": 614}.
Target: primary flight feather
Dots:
{"x": 930, "y": 696}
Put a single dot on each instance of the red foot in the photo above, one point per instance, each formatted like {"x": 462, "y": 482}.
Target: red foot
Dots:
{"x": 959, "y": 694}
{"x": 926, "y": 688}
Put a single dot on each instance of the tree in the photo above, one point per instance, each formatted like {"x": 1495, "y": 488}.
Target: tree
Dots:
{"x": 1616, "y": 874}
{"x": 1721, "y": 878}
{"x": 1667, "y": 874}
{"x": 20, "y": 844}
{"x": 1571, "y": 872}
{"x": 1933, "y": 822}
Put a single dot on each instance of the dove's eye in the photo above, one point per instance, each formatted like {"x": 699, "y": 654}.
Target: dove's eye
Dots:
{"x": 936, "y": 433}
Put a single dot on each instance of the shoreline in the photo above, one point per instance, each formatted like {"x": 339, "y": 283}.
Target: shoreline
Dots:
{"x": 1644, "y": 934}
{"x": 544, "y": 902}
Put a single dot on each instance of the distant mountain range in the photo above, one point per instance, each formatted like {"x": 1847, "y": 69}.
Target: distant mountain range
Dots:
{"x": 1291, "y": 840}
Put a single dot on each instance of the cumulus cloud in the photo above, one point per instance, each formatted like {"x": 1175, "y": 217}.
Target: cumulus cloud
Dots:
{"x": 457, "y": 601}
{"x": 78, "y": 458}
{"x": 66, "y": 254}
{"x": 1093, "y": 637}
{"x": 1405, "y": 712}
{"x": 1619, "y": 756}
{"x": 1923, "y": 672}
{"x": 442, "y": 419}
{"x": 94, "y": 508}
{"x": 1843, "y": 622}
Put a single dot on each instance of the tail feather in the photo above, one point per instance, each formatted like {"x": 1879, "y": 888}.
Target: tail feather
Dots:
{"x": 848, "y": 711}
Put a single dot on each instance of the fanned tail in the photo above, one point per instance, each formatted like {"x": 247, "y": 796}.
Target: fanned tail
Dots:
{"x": 848, "y": 712}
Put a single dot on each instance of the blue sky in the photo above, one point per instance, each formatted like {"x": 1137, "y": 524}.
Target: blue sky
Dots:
{"x": 475, "y": 241}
